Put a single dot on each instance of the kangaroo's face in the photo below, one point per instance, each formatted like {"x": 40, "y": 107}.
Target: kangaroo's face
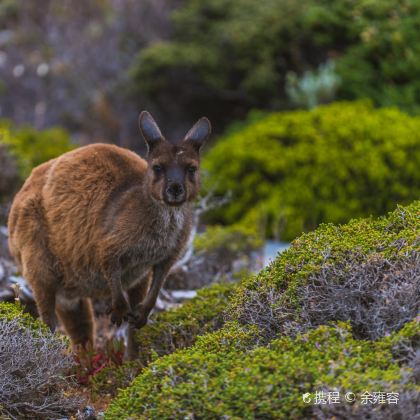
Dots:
{"x": 173, "y": 176}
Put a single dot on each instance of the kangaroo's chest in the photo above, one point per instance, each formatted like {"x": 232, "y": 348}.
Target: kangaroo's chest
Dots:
{"x": 157, "y": 242}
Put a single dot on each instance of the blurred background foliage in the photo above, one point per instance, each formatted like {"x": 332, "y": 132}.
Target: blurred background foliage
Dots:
{"x": 30, "y": 147}
{"x": 298, "y": 169}
{"x": 258, "y": 70}
{"x": 227, "y": 56}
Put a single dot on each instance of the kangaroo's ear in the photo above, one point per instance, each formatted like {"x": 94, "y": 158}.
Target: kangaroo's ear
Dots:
{"x": 199, "y": 133}
{"x": 149, "y": 129}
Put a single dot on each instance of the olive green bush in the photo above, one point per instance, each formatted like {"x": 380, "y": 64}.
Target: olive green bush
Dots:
{"x": 218, "y": 379}
{"x": 268, "y": 351}
{"x": 31, "y": 147}
{"x": 228, "y": 56}
{"x": 367, "y": 251}
{"x": 292, "y": 171}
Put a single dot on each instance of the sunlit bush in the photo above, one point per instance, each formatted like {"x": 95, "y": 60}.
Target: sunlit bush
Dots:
{"x": 291, "y": 171}
{"x": 217, "y": 378}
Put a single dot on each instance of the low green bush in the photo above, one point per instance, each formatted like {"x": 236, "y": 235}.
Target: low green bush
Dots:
{"x": 34, "y": 369}
{"x": 217, "y": 379}
{"x": 264, "y": 358}
{"x": 179, "y": 328}
{"x": 31, "y": 147}
{"x": 292, "y": 171}
{"x": 274, "y": 298}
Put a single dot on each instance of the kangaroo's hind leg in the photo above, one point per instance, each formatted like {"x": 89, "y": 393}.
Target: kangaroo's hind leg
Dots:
{"x": 76, "y": 315}
{"x": 37, "y": 269}
{"x": 28, "y": 243}
{"x": 135, "y": 295}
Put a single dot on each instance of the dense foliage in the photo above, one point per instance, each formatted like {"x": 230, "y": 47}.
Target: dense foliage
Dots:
{"x": 227, "y": 56}
{"x": 251, "y": 369}
{"x": 294, "y": 170}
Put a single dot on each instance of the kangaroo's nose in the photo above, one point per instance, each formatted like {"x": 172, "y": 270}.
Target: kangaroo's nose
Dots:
{"x": 175, "y": 189}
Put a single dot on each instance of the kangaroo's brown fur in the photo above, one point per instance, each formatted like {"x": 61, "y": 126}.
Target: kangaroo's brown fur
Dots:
{"x": 101, "y": 222}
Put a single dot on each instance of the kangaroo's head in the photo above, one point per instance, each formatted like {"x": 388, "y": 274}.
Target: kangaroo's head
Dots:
{"x": 172, "y": 176}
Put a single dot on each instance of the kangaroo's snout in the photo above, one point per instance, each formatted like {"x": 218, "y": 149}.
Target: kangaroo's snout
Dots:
{"x": 175, "y": 193}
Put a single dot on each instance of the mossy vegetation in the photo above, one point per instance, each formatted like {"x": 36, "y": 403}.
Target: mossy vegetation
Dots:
{"x": 214, "y": 379}
{"x": 292, "y": 171}
{"x": 253, "y": 366}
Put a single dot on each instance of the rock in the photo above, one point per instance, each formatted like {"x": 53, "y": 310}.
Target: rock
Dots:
{"x": 88, "y": 413}
{"x": 180, "y": 295}
{"x": 7, "y": 294}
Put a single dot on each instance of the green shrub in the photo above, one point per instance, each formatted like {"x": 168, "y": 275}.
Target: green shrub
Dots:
{"x": 295, "y": 170}
{"x": 31, "y": 147}
{"x": 217, "y": 379}
{"x": 249, "y": 369}
{"x": 178, "y": 328}
{"x": 274, "y": 298}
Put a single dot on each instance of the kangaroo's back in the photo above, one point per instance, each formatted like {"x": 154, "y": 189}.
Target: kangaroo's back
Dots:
{"x": 81, "y": 189}
{"x": 27, "y": 218}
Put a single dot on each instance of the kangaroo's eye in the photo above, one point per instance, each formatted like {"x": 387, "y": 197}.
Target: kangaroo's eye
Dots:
{"x": 157, "y": 169}
{"x": 192, "y": 169}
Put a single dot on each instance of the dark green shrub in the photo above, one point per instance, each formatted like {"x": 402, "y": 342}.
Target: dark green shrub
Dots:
{"x": 31, "y": 147}
{"x": 383, "y": 62}
{"x": 217, "y": 379}
{"x": 223, "y": 58}
{"x": 292, "y": 171}
{"x": 179, "y": 328}
{"x": 228, "y": 56}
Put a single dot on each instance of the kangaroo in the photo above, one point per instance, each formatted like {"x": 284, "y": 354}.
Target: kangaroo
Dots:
{"x": 100, "y": 222}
